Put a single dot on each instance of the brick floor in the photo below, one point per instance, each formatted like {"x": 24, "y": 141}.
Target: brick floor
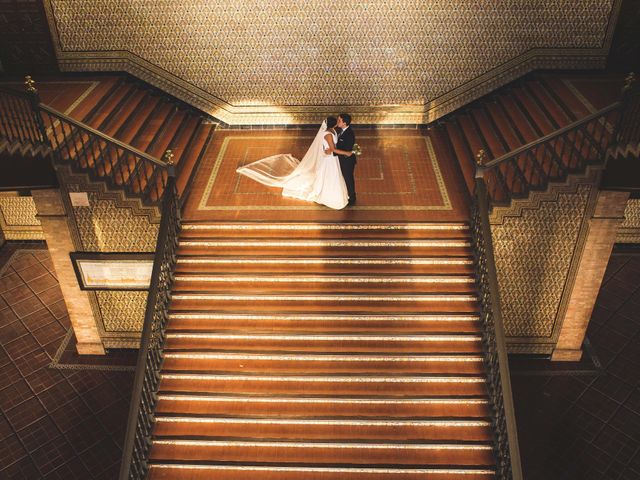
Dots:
{"x": 61, "y": 415}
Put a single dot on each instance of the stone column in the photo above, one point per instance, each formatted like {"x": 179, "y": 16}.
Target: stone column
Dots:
{"x": 53, "y": 217}
{"x": 601, "y": 236}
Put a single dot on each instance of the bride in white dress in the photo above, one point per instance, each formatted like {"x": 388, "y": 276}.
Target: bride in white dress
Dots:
{"x": 316, "y": 178}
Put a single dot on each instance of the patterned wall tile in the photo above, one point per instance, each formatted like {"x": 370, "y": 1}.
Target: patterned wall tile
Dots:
{"x": 537, "y": 243}
{"x": 122, "y": 311}
{"x": 105, "y": 227}
{"x": 629, "y": 231}
{"x": 283, "y": 61}
{"x": 113, "y": 223}
{"x": 18, "y": 217}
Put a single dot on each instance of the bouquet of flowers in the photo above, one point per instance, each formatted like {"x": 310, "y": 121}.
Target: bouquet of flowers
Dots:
{"x": 357, "y": 151}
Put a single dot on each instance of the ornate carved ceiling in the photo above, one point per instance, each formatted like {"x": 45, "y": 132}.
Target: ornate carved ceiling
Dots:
{"x": 288, "y": 61}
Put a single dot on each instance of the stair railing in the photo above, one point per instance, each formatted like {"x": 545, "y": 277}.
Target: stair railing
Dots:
{"x": 507, "y": 451}
{"x": 588, "y": 141}
{"x": 550, "y": 158}
{"x": 628, "y": 131}
{"x": 19, "y": 122}
{"x": 26, "y": 120}
{"x": 141, "y": 419}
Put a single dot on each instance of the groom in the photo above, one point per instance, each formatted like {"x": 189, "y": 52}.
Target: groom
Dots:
{"x": 344, "y": 147}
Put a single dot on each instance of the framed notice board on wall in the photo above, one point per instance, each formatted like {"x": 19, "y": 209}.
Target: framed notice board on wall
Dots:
{"x": 113, "y": 271}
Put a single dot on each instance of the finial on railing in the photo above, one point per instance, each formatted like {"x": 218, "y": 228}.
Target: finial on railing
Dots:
{"x": 30, "y": 84}
{"x": 480, "y": 160}
{"x": 629, "y": 81}
{"x": 168, "y": 157}
{"x": 480, "y": 157}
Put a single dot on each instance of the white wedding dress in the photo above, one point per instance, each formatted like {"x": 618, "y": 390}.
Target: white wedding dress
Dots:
{"x": 315, "y": 178}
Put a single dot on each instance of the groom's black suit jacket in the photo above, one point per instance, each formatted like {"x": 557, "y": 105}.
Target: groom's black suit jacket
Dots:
{"x": 345, "y": 142}
{"x": 348, "y": 163}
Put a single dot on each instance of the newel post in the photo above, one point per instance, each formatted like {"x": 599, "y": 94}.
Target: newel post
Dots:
{"x": 34, "y": 98}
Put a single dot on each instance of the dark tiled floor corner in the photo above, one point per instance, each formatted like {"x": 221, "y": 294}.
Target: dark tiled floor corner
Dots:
{"x": 54, "y": 423}
{"x": 585, "y": 425}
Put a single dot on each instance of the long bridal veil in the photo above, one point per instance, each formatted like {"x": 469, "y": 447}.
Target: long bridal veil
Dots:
{"x": 295, "y": 176}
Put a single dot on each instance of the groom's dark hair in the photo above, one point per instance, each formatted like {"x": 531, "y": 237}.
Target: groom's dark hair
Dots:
{"x": 346, "y": 118}
{"x": 331, "y": 122}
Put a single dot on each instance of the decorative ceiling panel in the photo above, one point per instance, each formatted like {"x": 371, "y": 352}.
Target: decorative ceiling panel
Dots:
{"x": 286, "y": 61}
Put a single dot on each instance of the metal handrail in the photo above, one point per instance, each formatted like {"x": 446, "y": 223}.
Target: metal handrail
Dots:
{"x": 27, "y": 121}
{"x": 16, "y": 93}
{"x": 137, "y": 443}
{"x": 508, "y": 464}
{"x": 551, "y": 136}
{"x": 102, "y": 136}
{"x": 590, "y": 140}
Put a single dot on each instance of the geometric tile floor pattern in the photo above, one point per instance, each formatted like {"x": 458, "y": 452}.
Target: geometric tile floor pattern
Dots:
{"x": 63, "y": 422}
{"x": 67, "y": 422}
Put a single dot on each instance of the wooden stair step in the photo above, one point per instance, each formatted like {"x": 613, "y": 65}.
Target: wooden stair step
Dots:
{"x": 324, "y": 230}
{"x": 238, "y": 362}
{"x": 471, "y": 135}
{"x": 326, "y": 385}
{"x": 563, "y": 92}
{"x": 331, "y": 453}
{"x": 192, "y": 155}
{"x": 164, "y": 471}
{"x": 324, "y": 429}
{"x": 504, "y": 123}
{"x": 272, "y": 322}
{"x": 256, "y": 283}
{"x": 166, "y": 136}
{"x": 519, "y": 120}
{"x": 491, "y": 136}
{"x": 184, "y": 136}
{"x": 431, "y": 343}
{"x": 112, "y": 106}
{"x": 139, "y": 118}
{"x": 153, "y": 124}
{"x": 461, "y": 148}
{"x": 335, "y": 302}
{"x": 537, "y": 118}
{"x": 550, "y": 104}
{"x": 444, "y": 148}
{"x": 288, "y": 406}
{"x": 105, "y": 86}
{"x": 354, "y": 265}
{"x": 133, "y": 102}
{"x": 337, "y": 248}
{"x": 91, "y": 107}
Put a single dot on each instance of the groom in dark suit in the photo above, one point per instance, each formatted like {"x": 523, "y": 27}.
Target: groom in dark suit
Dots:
{"x": 344, "y": 147}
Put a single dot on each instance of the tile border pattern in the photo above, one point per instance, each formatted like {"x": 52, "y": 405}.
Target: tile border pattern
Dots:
{"x": 202, "y": 205}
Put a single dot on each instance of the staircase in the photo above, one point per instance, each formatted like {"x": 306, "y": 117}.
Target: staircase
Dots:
{"x": 147, "y": 119}
{"x": 125, "y": 127}
{"x": 323, "y": 351}
{"x": 520, "y": 113}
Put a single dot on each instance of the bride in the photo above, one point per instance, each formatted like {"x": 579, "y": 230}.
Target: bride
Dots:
{"x": 316, "y": 178}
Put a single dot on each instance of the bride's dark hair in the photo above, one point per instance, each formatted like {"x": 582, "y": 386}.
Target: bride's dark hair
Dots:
{"x": 331, "y": 122}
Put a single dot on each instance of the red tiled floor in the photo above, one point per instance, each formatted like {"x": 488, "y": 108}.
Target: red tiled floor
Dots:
{"x": 401, "y": 176}
{"x": 55, "y": 423}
